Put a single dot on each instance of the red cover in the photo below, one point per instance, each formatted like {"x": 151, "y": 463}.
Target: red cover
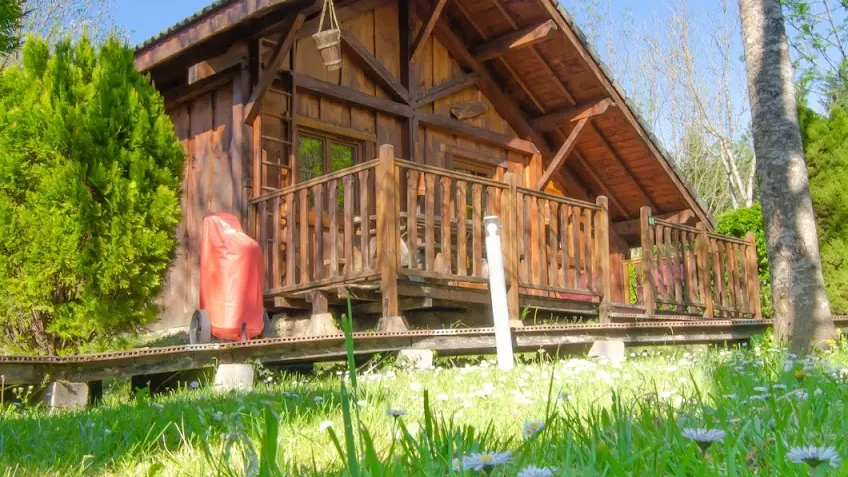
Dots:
{"x": 231, "y": 278}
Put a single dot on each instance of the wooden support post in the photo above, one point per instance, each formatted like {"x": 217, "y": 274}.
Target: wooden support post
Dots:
{"x": 388, "y": 239}
{"x": 648, "y": 292}
{"x": 509, "y": 234}
{"x": 752, "y": 275}
{"x": 703, "y": 251}
{"x": 602, "y": 255}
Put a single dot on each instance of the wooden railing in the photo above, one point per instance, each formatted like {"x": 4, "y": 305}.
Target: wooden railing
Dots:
{"x": 318, "y": 231}
{"x": 689, "y": 270}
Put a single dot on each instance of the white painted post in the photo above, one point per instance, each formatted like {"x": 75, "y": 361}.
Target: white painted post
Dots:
{"x": 497, "y": 287}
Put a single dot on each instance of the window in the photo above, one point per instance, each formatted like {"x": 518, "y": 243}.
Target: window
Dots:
{"x": 319, "y": 154}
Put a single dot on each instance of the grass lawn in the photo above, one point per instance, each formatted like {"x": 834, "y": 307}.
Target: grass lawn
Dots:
{"x": 572, "y": 416}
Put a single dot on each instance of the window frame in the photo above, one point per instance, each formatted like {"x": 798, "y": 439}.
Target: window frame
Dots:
{"x": 328, "y": 139}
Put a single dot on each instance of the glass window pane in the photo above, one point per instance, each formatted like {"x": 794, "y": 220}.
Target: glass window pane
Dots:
{"x": 342, "y": 156}
{"x": 310, "y": 158}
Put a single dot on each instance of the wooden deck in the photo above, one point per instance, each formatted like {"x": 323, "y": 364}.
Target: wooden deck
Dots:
{"x": 391, "y": 230}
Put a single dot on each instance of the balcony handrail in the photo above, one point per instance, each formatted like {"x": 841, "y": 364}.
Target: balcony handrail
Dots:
{"x": 372, "y": 164}
{"x": 450, "y": 173}
{"x": 558, "y": 199}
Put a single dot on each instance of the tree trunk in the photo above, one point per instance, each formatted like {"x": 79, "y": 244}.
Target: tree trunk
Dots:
{"x": 801, "y": 309}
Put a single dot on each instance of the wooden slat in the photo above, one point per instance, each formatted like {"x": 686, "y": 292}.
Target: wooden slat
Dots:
{"x": 588, "y": 261}
{"x": 412, "y": 217}
{"x": 348, "y": 183}
{"x": 732, "y": 276}
{"x": 352, "y": 96}
{"x": 647, "y": 241}
{"x": 374, "y": 68}
{"x": 564, "y": 235}
{"x": 718, "y": 267}
{"x": 290, "y": 240}
{"x": 602, "y": 260}
{"x": 303, "y": 208}
{"x": 447, "y": 88}
{"x": 536, "y": 249}
{"x": 704, "y": 289}
{"x": 262, "y": 222}
{"x": 429, "y": 222}
{"x": 662, "y": 263}
{"x": 318, "y": 234}
{"x": 552, "y": 214}
{"x": 544, "y": 251}
{"x": 446, "y": 225}
{"x": 676, "y": 264}
{"x": 276, "y": 273}
{"x": 488, "y": 136}
{"x": 576, "y": 245}
{"x": 477, "y": 228}
{"x": 364, "y": 222}
{"x": 461, "y": 234}
{"x": 332, "y": 209}
{"x": 691, "y": 276}
{"x": 427, "y": 29}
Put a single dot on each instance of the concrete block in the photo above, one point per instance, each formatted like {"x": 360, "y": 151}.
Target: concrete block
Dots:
{"x": 65, "y": 395}
{"x": 415, "y": 358}
{"x": 609, "y": 350}
{"x": 230, "y": 377}
{"x": 322, "y": 324}
{"x": 392, "y": 324}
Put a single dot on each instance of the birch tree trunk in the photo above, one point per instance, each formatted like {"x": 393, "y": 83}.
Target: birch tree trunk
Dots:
{"x": 802, "y": 312}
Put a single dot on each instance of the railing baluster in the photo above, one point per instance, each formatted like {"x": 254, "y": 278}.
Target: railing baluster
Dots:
{"x": 732, "y": 276}
{"x": 477, "y": 228}
{"x": 276, "y": 273}
{"x": 262, "y": 221}
{"x": 364, "y": 219}
{"x": 648, "y": 280}
{"x": 332, "y": 203}
{"x": 588, "y": 260}
{"x": 348, "y": 184}
{"x": 446, "y": 225}
{"x": 576, "y": 245}
{"x": 291, "y": 244}
{"x": 461, "y": 231}
{"x": 318, "y": 212}
{"x": 535, "y": 247}
{"x": 552, "y": 213}
{"x": 544, "y": 251}
{"x": 718, "y": 269}
{"x": 676, "y": 263}
{"x": 429, "y": 223}
{"x": 303, "y": 207}
{"x": 412, "y": 217}
{"x": 564, "y": 277}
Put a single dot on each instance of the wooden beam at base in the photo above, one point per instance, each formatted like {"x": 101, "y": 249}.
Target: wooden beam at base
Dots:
{"x": 351, "y": 96}
{"x": 562, "y": 154}
{"x": 555, "y": 119}
{"x": 374, "y": 68}
{"x": 485, "y": 135}
{"x": 427, "y": 29}
{"x": 268, "y": 75}
{"x": 447, "y": 88}
{"x": 291, "y": 303}
{"x": 404, "y": 304}
{"x": 517, "y": 39}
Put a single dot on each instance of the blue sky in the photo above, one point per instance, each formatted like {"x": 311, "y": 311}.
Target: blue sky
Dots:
{"x": 145, "y": 18}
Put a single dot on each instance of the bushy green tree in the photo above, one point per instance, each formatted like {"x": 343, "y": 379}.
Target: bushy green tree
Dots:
{"x": 11, "y": 12}
{"x": 739, "y": 222}
{"x": 90, "y": 177}
{"x": 826, "y": 148}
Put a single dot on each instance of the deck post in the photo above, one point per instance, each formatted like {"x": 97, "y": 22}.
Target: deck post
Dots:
{"x": 703, "y": 251}
{"x": 649, "y": 298}
{"x": 388, "y": 239}
{"x": 510, "y": 234}
{"x": 602, "y": 258}
{"x": 752, "y": 275}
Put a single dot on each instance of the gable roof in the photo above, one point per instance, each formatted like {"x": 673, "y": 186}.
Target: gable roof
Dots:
{"x": 620, "y": 157}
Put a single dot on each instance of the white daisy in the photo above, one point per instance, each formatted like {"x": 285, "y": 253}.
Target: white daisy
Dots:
{"x": 318, "y": 399}
{"x": 325, "y": 425}
{"x": 533, "y": 471}
{"x": 415, "y": 386}
{"x": 485, "y": 460}
{"x": 814, "y": 456}
{"x": 442, "y": 397}
{"x": 395, "y": 412}
{"x": 193, "y": 385}
{"x": 158, "y": 406}
{"x": 704, "y": 437}
{"x": 531, "y": 428}
{"x": 761, "y": 389}
{"x": 290, "y": 394}
{"x": 218, "y": 416}
{"x": 781, "y": 387}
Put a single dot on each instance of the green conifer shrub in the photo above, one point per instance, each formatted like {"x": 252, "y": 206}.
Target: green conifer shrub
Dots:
{"x": 90, "y": 178}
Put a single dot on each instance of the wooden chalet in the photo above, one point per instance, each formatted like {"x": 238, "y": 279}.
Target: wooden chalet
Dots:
{"x": 372, "y": 181}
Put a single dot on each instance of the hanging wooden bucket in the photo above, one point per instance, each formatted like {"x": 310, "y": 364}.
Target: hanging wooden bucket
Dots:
{"x": 329, "y": 44}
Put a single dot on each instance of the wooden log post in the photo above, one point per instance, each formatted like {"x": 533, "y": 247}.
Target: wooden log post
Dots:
{"x": 752, "y": 275}
{"x": 703, "y": 252}
{"x": 602, "y": 259}
{"x": 648, "y": 292}
{"x": 388, "y": 240}
{"x": 510, "y": 235}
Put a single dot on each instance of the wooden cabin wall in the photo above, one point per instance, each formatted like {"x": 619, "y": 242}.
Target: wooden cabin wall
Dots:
{"x": 378, "y": 31}
{"x": 204, "y": 125}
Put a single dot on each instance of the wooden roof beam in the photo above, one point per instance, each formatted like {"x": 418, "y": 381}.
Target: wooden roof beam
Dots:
{"x": 284, "y": 44}
{"x": 518, "y": 39}
{"x": 351, "y": 96}
{"x": 632, "y": 175}
{"x": 427, "y": 29}
{"x": 461, "y": 128}
{"x": 447, "y": 88}
{"x": 555, "y": 119}
{"x": 562, "y": 154}
{"x": 374, "y": 68}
